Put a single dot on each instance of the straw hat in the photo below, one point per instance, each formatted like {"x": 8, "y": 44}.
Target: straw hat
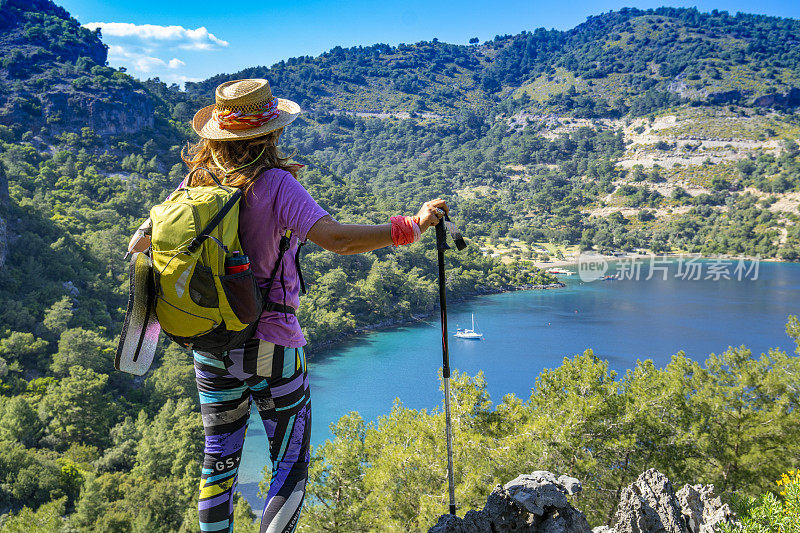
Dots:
{"x": 244, "y": 109}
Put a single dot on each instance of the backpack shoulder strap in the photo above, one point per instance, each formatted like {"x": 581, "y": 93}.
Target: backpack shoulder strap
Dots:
{"x": 214, "y": 222}
{"x": 283, "y": 247}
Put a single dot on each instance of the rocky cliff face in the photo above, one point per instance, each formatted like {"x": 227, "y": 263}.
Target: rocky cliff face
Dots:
{"x": 53, "y": 74}
{"x": 537, "y": 503}
{"x": 4, "y": 202}
{"x": 113, "y": 113}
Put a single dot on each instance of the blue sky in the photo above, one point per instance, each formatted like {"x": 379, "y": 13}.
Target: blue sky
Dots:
{"x": 179, "y": 40}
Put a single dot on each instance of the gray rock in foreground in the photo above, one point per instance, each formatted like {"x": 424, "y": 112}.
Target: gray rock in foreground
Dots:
{"x": 650, "y": 505}
{"x": 537, "y": 503}
{"x": 702, "y": 511}
{"x": 531, "y": 503}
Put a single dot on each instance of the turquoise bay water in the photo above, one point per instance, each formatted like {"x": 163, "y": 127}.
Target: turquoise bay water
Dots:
{"x": 527, "y": 331}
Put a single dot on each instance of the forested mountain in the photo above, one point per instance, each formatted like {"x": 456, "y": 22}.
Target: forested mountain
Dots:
{"x": 630, "y": 61}
{"x": 664, "y": 130}
{"x": 519, "y": 130}
{"x": 53, "y": 75}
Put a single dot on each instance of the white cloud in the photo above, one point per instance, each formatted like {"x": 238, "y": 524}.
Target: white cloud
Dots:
{"x": 145, "y": 49}
{"x": 154, "y": 35}
{"x": 180, "y": 79}
{"x": 137, "y": 60}
{"x": 148, "y": 64}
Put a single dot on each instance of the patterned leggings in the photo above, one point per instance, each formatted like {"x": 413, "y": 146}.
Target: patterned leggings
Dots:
{"x": 275, "y": 378}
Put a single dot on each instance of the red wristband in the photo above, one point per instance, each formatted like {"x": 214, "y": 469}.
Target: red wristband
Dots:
{"x": 404, "y": 230}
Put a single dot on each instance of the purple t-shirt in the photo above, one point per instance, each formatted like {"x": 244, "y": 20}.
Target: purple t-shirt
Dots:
{"x": 275, "y": 203}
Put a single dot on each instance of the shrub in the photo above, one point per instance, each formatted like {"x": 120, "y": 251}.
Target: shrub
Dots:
{"x": 769, "y": 512}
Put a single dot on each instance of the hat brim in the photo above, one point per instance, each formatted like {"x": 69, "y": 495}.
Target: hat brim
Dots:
{"x": 207, "y": 128}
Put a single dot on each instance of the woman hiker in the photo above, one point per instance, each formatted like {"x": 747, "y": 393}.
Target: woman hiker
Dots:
{"x": 238, "y": 139}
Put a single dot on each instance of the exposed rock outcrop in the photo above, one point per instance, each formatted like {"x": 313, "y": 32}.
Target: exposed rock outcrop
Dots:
{"x": 535, "y": 503}
{"x": 4, "y": 201}
{"x": 701, "y": 510}
{"x": 117, "y": 111}
{"x": 3, "y": 243}
{"x": 790, "y": 99}
{"x": 650, "y": 505}
{"x": 53, "y": 75}
{"x": 725, "y": 97}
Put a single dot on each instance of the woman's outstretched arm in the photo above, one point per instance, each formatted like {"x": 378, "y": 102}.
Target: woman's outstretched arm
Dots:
{"x": 349, "y": 239}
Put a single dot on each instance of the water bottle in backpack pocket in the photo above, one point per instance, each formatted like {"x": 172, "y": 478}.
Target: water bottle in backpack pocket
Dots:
{"x": 241, "y": 288}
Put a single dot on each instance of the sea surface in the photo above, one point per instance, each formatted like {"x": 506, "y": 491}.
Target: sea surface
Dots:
{"x": 527, "y": 331}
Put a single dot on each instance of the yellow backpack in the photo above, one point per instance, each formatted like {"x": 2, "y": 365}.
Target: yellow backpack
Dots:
{"x": 197, "y": 304}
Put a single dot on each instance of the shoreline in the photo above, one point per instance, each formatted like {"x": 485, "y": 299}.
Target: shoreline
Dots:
{"x": 600, "y": 257}
{"x": 413, "y": 319}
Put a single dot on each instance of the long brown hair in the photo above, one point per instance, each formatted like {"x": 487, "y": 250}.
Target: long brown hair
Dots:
{"x": 234, "y": 154}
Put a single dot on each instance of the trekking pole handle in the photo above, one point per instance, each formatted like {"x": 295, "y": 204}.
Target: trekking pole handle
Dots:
{"x": 454, "y": 232}
{"x": 441, "y": 236}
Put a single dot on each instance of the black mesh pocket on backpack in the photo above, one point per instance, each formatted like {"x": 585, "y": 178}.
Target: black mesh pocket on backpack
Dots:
{"x": 243, "y": 295}
{"x": 202, "y": 289}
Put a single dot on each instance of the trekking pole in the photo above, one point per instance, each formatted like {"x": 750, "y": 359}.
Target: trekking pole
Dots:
{"x": 441, "y": 246}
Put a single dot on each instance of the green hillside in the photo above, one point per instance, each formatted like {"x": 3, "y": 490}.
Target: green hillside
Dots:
{"x": 663, "y": 130}
{"x": 641, "y": 61}
{"x": 630, "y": 61}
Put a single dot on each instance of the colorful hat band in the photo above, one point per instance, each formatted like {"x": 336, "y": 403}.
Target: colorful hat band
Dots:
{"x": 239, "y": 120}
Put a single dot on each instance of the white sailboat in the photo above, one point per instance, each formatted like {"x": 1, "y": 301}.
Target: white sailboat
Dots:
{"x": 462, "y": 333}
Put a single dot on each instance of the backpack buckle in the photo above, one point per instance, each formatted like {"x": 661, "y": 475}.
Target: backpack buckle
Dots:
{"x": 286, "y": 241}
